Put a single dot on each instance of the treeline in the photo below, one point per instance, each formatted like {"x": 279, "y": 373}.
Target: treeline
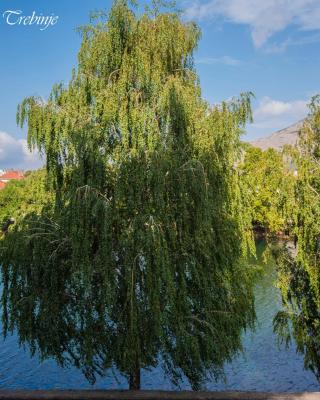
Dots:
{"x": 268, "y": 177}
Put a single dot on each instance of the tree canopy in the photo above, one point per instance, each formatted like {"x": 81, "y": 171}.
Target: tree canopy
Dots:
{"x": 141, "y": 259}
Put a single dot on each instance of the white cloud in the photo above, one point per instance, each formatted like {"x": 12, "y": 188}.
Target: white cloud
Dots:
{"x": 282, "y": 46}
{"x": 14, "y": 153}
{"x": 270, "y": 108}
{"x": 226, "y": 60}
{"x": 271, "y": 115}
{"x": 264, "y": 17}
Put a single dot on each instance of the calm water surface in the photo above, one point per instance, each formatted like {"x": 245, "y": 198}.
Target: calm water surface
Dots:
{"x": 263, "y": 367}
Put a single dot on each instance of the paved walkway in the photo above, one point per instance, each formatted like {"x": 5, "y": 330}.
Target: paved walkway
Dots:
{"x": 149, "y": 395}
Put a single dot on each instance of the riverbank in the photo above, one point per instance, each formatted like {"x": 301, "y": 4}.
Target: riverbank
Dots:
{"x": 150, "y": 395}
{"x": 263, "y": 233}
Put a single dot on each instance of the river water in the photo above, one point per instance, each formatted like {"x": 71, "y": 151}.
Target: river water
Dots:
{"x": 264, "y": 366}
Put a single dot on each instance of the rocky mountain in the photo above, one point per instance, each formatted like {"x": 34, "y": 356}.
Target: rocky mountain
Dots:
{"x": 280, "y": 138}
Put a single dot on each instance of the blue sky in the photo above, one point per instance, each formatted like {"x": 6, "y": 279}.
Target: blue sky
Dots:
{"x": 269, "y": 47}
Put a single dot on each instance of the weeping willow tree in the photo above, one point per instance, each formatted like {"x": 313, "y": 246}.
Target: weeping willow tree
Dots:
{"x": 141, "y": 261}
{"x": 299, "y": 271}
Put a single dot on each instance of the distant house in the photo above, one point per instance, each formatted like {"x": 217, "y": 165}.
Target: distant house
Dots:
{"x": 7, "y": 176}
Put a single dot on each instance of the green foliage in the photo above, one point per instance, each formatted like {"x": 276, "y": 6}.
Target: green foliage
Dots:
{"x": 21, "y": 197}
{"x": 299, "y": 276}
{"x": 142, "y": 259}
{"x": 270, "y": 181}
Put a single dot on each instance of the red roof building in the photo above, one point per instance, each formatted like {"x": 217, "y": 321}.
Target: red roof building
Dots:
{"x": 9, "y": 175}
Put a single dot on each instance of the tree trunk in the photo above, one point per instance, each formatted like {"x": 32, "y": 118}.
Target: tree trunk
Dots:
{"x": 134, "y": 380}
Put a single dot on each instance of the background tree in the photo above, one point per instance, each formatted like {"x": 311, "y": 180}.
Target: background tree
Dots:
{"x": 141, "y": 260}
{"x": 19, "y": 198}
{"x": 269, "y": 177}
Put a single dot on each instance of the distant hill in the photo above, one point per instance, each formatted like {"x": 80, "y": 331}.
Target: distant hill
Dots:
{"x": 280, "y": 138}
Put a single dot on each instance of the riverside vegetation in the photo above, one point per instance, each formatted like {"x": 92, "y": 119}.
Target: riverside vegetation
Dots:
{"x": 132, "y": 250}
{"x": 299, "y": 275}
